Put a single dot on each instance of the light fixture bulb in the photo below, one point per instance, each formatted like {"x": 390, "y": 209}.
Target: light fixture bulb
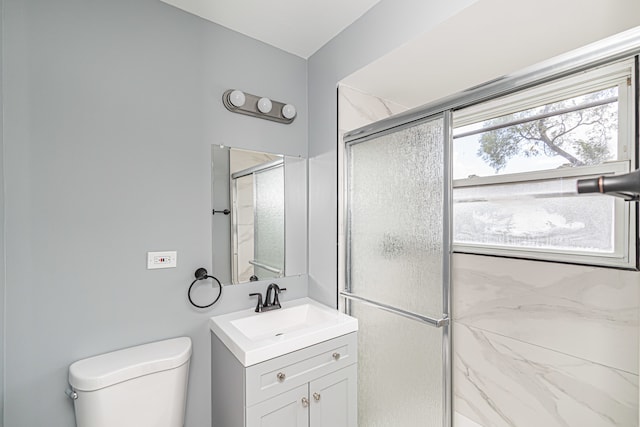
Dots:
{"x": 237, "y": 98}
{"x": 289, "y": 111}
{"x": 265, "y": 105}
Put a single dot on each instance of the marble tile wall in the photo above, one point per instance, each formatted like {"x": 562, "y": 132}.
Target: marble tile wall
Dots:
{"x": 357, "y": 109}
{"x": 544, "y": 344}
{"x": 501, "y": 381}
{"x": 588, "y": 312}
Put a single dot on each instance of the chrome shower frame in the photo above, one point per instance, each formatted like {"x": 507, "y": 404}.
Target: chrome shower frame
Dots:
{"x": 443, "y": 321}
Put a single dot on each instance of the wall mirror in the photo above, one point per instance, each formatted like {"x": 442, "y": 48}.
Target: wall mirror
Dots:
{"x": 259, "y": 215}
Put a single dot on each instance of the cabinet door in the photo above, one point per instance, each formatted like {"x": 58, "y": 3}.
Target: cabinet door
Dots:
{"x": 284, "y": 410}
{"x": 334, "y": 399}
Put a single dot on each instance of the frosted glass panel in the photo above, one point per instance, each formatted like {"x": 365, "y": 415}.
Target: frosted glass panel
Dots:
{"x": 533, "y": 215}
{"x": 399, "y": 370}
{"x": 396, "y": 218}
{"x": 269, "y": 223}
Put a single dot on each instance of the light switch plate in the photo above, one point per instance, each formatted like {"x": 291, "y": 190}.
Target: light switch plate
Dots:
{"x": 165, "y": 259}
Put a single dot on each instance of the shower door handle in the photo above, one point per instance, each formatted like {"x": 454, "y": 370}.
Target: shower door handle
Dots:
{"x": 436, "y": 323}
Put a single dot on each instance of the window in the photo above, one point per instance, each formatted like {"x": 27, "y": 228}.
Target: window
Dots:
{"x": 516, "y": 161}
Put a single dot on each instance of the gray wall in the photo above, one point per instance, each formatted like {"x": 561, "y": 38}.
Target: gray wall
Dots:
{"x": 2, "y": 270}
{"x": 110, "y": 110}
{"x": 221, "y": 224}
{"x": 388, "y": 25}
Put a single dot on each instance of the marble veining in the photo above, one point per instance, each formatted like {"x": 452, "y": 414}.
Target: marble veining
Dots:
{"x": 357, "y": 109}
{"x": 587, "y": 312}
{"x": 499, "y": 381}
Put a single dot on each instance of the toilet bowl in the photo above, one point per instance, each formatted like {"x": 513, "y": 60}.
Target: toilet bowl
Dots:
{"x": 142, "y": 386}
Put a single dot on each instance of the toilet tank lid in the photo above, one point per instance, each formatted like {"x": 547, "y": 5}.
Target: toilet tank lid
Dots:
{"x": 111, "y": 368}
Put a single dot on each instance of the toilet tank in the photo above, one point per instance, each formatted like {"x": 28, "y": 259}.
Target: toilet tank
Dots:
{"x": 143, "y": 386}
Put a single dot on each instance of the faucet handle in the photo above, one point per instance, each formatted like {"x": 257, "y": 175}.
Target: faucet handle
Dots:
{"x": 259, "y": 306}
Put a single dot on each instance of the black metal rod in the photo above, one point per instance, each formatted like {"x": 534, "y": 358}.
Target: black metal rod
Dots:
{"x": 226, "y": 212}
{"x": 626, "y": 186}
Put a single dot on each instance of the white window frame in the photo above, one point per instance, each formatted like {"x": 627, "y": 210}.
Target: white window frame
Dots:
{"x": 625, "y": 232}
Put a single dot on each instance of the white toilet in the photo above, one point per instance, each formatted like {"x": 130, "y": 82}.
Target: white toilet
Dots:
{"x": 143, "y": 386}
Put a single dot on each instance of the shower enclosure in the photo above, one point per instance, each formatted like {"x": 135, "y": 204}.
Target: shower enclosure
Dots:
{"x": 397, "y": 270}
{"x": 397, "y": 243}
{"x": 258, "y": 222}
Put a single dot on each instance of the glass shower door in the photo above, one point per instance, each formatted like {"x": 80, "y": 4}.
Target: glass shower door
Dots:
{"x": 397, "y": 272}
{"x": 269, "y": 223}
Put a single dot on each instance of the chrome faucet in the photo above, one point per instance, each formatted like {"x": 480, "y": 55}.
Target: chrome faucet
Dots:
{"x": 271, "y": 300}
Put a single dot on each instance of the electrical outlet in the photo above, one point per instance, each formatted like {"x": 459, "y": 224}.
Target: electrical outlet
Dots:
{"x": 165, "y": 259}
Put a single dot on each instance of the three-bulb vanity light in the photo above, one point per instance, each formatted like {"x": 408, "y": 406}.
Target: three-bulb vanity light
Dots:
{"x": 241, "y": 102}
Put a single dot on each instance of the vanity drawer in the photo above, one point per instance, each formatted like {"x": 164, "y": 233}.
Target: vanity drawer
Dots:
{"x": 284, "y": 373}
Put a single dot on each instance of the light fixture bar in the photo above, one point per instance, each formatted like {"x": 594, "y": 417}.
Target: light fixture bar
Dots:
{"x": 252, "y": 105}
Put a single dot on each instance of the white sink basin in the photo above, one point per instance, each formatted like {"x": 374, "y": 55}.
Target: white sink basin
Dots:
{"x": 255, "y": 337}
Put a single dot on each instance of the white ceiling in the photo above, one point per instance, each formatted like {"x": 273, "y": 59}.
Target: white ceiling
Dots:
{"x": 300, "y": 27}
{"x": 426, "y": 68}
{"x": 470, "y": 48}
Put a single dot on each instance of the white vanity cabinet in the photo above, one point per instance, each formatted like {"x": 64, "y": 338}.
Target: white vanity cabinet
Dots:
{"x": 328, "y": 401}
{"x": 311, "y": 387}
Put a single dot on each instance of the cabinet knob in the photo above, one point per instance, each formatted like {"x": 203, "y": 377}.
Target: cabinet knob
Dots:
{"x": 336, "y": 356}
{"x": 305, "y": 402}
{"x": 316, "y": 396}
{"x": 281, "y": 376}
